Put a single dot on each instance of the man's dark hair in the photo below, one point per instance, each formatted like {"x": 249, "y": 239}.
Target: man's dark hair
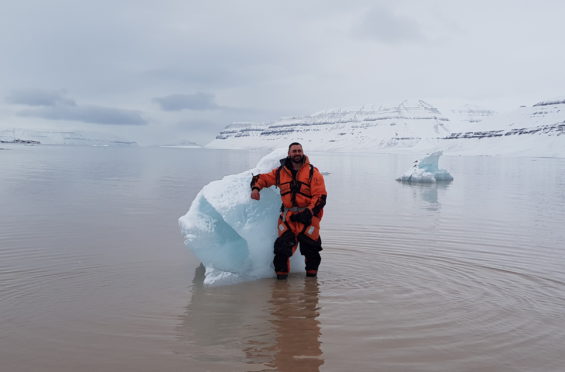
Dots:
{"x": 292, "y": 144}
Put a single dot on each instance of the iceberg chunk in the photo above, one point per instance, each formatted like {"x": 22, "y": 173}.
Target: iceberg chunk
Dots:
{"x": 426, "y": 170}
{"x": 231, "y": 233}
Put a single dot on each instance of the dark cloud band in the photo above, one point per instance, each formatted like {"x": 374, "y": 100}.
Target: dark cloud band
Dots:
{"x": 37, "y": 97}
{"x": 88, "y": 114}
{"x": 54, "y": 105}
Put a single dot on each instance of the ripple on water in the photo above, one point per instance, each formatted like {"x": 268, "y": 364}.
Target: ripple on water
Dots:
{"x": 416, "y": 296}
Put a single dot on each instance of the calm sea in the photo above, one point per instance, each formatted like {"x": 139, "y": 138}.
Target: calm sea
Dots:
{"x": 94, "y": 275}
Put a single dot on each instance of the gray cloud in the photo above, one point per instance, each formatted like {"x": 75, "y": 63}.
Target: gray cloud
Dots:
{"x": 87, "y": 114}
{"x": 196, "y": 101}
{"x": 381, "y": 24}
{"x": 38, "y": 97}
{"x": 54, "y": 105}
{"x": 266, "y": 59}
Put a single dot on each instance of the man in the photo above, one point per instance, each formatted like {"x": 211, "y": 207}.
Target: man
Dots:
{"x": 303, "y": 195}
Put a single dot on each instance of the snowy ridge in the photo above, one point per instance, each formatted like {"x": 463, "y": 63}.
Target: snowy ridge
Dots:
{"x": 184, "y": 144}
{"x": 343, "y": 128}
{"x": 555, "y": 101}
{"x": 240, "y": 130}
{"x": 469, "y": 114}
{"x": 546, "y": 119}
{"x": 536, "y": 130}
{"x": 555, "y": 129}
{"x": 77, "y": 138}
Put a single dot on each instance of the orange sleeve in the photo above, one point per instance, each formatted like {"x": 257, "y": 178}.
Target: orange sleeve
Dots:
{"x": 318, "y": 191}
{"x": 264, "y": 180}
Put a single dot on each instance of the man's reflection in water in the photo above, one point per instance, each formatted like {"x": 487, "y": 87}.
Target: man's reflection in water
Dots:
{"x": 294, "y": 309}
{"x": 273, "y": 323}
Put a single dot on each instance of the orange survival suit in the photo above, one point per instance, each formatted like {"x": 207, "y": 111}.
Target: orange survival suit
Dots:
{"x": 303, "y": 195}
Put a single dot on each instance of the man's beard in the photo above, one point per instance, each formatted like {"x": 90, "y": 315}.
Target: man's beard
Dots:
{"x": 298, "y": 159}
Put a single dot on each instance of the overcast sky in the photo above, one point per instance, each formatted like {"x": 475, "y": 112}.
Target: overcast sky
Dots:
{"x": 170, "y": 70}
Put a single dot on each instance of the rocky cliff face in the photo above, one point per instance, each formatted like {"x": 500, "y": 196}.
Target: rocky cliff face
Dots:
{"x": 77, "y": 138}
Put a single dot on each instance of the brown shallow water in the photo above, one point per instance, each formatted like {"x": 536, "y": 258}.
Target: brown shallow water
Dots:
{"x": 468, "y": 276}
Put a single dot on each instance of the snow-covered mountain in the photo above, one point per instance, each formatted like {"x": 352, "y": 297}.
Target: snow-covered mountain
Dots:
{"x": 468, "y": 113}
{"x": 364, "y": 127}
{"x": 536, "y": 130}
{"x": 64, "y": 137}
{"x": 183, "y": 144}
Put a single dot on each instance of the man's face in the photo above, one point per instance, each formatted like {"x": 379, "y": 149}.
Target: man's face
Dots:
{"x": 295, "y": 154}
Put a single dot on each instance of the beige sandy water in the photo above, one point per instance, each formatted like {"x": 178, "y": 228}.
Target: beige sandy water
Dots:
{"x": 94, "y": 275}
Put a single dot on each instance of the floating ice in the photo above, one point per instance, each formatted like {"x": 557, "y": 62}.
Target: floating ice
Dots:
{"x": 231, "y": 233}
{"x": 426, "y": 171}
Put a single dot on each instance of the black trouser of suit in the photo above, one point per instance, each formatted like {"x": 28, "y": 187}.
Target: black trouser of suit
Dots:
{"x": 285, "y": 246}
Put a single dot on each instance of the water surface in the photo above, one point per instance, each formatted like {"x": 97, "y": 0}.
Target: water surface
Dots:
{"x": 461, "y": 277}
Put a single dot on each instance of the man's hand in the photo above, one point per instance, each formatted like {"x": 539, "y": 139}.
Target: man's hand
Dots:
{"x": 255, "y": 194}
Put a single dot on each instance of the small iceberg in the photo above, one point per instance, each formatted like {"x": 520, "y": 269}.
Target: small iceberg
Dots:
{"x": 426, "y": 170}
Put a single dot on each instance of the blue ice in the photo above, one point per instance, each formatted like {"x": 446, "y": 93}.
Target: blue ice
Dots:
{"x": 426, "y": 170}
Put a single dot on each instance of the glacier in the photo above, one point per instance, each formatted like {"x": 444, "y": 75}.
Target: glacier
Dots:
{"x": 426, "y": 170}
{"x": 231, "y": 233}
